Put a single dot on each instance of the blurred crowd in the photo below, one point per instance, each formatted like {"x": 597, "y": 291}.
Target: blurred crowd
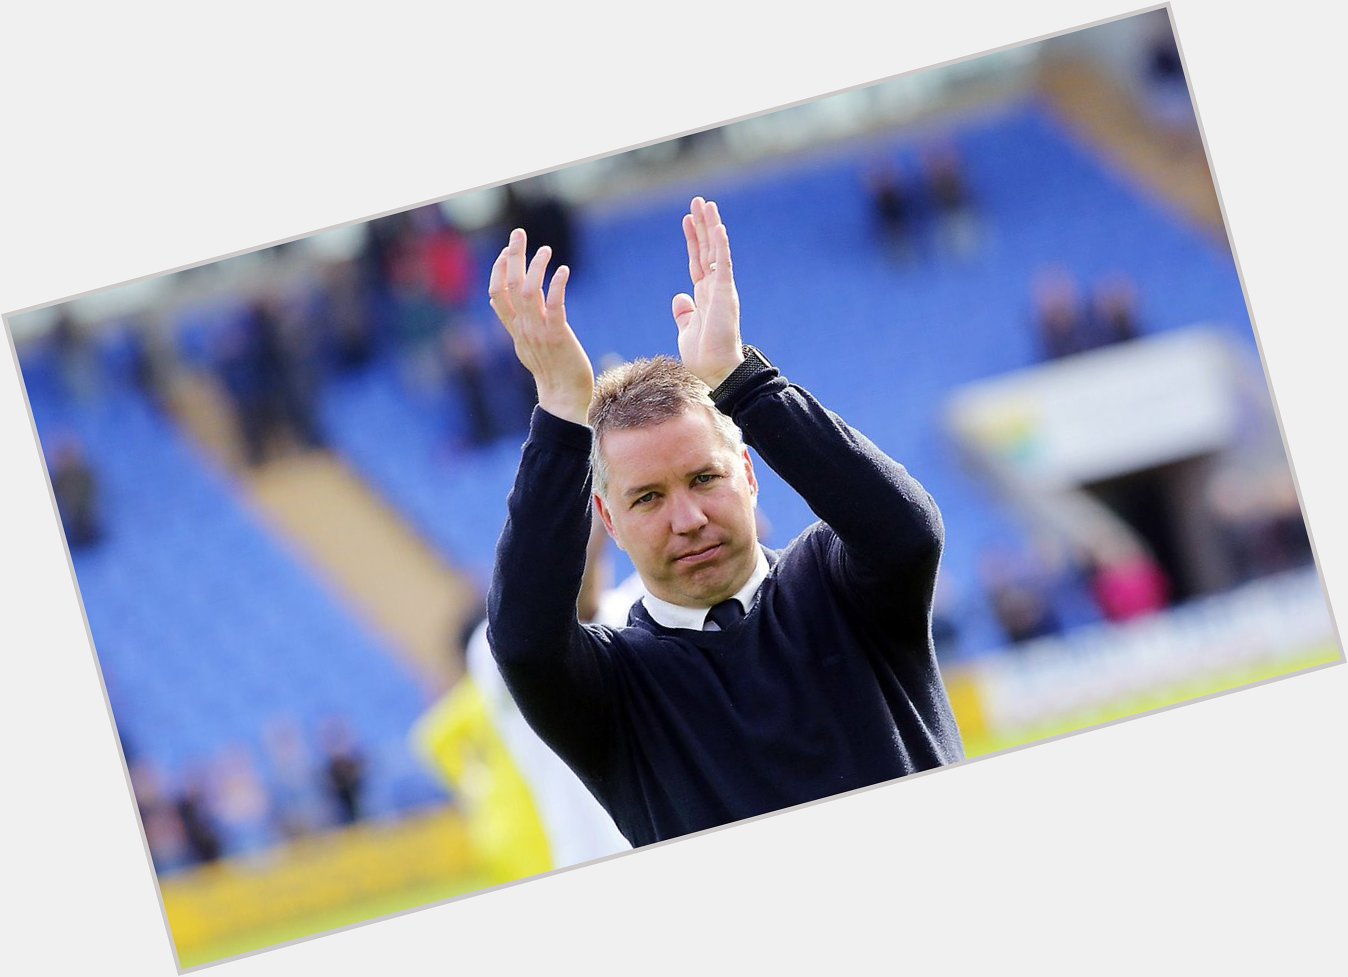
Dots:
{"x": 1040, "y": 588}
{"x": 235, "y": 806}
{"x": 1070, "y": 321}
{"x": 76, "y": 488}
{"x": 408, "y": 297}
{"x": 926, "y": 208}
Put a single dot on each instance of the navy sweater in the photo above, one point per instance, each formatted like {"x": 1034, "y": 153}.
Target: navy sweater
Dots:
{"x": 829, "y": 683}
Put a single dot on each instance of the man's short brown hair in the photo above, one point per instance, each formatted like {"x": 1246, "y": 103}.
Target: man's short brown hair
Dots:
{"x": 644, "y": 393}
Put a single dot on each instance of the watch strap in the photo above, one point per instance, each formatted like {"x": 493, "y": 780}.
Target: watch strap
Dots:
{"x": 754, "y": 364}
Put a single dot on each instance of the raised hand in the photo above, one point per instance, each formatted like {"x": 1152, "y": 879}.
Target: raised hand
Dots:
{"x": 543, "y": 339}
{"x": 709, "y": 319}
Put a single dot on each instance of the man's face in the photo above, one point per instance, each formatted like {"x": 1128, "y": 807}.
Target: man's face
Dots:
{"x": 681, "y": 504}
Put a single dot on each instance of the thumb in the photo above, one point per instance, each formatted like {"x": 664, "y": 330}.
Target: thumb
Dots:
{"x": 683, "y": 309}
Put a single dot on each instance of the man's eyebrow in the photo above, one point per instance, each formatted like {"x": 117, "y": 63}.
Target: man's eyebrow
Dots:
{"x": 641, "y": 489}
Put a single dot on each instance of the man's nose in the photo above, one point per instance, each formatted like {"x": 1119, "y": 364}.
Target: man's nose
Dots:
{"x": 686, "y": 515}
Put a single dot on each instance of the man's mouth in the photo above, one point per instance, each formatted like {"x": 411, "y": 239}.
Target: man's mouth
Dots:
{"x": 700, "y": 555}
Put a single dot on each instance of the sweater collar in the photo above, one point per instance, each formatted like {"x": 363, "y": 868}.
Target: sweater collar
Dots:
{"x": 671, "y": 616}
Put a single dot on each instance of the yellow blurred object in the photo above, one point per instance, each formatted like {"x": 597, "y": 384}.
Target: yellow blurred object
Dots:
{"x": 966, "y": 702}
{"x": 311, "y": 884}
{"x": 505, "y": 830}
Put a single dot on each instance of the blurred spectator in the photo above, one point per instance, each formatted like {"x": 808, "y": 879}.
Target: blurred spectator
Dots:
{"x": 1260, "y": 521}
{"x": 242, "y": 807}
{"x": 374, "y": 272}
{"x": 546, "y": 219}
{"x": 344, "y": 769}
{"x": 957, "y": 226}
{"x": 203, "y": 839}
{"x": 466, "y": 367}
{"x": 77, "y": 358}
{"x": 426, "y": 288}
{"x": 892, "y": 211}
{"x": 438, "y": 256}
{"x": 77, "y": 495}
{"x": 1019, "y": 599}
{"x": 1163, "y": 58}
{"x": 234, "y": 363}
{"x": 346, "y": 317}
{"x": 1290, "y": 540}
{"x": 266, "y": 383}
{"x": 516, "y": 385}
{"x": 297, "y": 796}
{"x": 1113, "y": 311}
{"x": 1235, "y": 509}
{"x": 152, "y": 363}
{"x": 420, "y": 321}
{"x": 1062, "y": 327}
{"x": 1167, "y": 98}
{"x": 164, "y": 831}
{"x": 1125, "y": 580}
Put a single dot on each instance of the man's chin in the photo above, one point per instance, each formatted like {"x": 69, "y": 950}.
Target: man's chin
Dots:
{"x": 711, "y": 583}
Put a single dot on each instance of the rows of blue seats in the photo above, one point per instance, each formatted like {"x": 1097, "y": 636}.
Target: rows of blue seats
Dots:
{"x": 881, "y": 344}
{"x": 207, "y": 627}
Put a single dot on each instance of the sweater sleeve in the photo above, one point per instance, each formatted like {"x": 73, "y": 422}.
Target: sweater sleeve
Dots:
{"x": 553, "y": 665}
{"x": 888, "y": 533}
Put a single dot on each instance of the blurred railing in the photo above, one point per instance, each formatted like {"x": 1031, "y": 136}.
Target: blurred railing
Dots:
{"x": 1104, "y": 672}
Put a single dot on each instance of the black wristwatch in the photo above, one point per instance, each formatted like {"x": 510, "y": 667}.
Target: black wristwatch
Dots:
{"x": 754, "y": 364}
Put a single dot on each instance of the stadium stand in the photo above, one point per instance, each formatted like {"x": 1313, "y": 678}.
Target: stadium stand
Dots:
{"x": 819, "y": 293}
{"x": 198, "y": 664}
{"x": 185, "y": 681}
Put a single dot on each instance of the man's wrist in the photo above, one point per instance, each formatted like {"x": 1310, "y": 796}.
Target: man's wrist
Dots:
{"x": 567, "y": 406}
{"x": 715, "y": 380}
{"x": 752, "y": 363}
{"x": 547, "y": 427}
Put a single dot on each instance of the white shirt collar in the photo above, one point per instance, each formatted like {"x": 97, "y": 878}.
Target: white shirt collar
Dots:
{"x": 693, "y": 618}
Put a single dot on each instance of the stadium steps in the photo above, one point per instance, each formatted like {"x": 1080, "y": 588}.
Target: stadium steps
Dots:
{"x": 386, "y": 570}
{"x": 376, "y": 562}
{"x": 1102, "y": 112}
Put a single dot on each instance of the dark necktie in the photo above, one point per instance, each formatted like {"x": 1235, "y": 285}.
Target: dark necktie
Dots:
{"x": 725, "y": 614}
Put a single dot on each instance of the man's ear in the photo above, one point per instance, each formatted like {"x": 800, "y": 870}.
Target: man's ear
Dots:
{"x": 750, "y": 476}
{"x": 602, "y": 509}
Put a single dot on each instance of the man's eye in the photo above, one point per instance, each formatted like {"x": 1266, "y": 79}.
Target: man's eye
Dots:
{"x": 648, "y": 497}
{"x": 704, "y": 478}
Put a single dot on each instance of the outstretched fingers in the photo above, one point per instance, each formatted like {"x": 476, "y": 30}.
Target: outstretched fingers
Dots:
{"x": 694, "y": 250}
{"x": 716, "y": 240}
{"x": 496, "y": 292}
{"x": 556, "y": 301}
{"x": 516, "y": 290}
{"x": 514, "y": 270}
{"x": 699, "y": 213}
{"x": 712, "y": 215}
{"x": 533, "y": 278}
{"x": 720, "y": 244}
{"x": 705, "y": 234}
